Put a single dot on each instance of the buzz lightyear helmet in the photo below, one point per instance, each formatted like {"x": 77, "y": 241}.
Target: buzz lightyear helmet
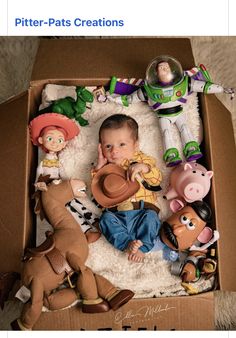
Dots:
{"x": 163, "y": 71}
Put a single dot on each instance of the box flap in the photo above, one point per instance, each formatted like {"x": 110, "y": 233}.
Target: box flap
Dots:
{"x": 99, "y": 59}
{"x": 223, "y": 162}
{"x": 14, "y": 180}
{"x": 155, "y": 314}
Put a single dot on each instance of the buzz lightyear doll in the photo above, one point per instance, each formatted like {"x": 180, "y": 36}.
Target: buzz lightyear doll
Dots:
{"x": 166, "y": 89}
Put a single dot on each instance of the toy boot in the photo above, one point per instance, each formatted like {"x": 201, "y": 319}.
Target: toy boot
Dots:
{"x": 113, "y": 295}
{"x": 171, "y": 157}
{"x": 192, "y": 151}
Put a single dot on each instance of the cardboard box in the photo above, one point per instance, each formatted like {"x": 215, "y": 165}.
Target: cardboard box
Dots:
{"x": 92, "y": 62}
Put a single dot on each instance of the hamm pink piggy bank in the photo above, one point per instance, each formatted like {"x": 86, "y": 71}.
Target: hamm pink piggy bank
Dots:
{"x": 189, "y": 181}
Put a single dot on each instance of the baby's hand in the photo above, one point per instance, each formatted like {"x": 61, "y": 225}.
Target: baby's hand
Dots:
{"x": 137, "y": 168}
{"x": 101, "y": 159}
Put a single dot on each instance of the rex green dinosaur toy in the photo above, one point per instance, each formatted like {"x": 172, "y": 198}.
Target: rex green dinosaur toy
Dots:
{"x": 70, "y": 107}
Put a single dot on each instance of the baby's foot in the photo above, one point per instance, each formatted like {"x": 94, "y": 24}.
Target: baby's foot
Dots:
{"x": 134, "y": 245}
{"x": 136, "y": 257}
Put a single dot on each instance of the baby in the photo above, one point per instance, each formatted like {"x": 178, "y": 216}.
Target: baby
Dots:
{"x": 134, "y": 224}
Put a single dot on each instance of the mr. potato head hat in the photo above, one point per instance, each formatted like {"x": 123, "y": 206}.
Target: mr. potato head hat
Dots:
{"x": 110, "y": 186}
{"x": 45, "y": 120}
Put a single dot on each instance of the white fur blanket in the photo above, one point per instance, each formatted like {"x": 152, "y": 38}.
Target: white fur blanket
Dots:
{"x": 152, "y": 277}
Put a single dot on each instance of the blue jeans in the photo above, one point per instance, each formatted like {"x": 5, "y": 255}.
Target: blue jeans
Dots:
{"x": 122, "y": 227}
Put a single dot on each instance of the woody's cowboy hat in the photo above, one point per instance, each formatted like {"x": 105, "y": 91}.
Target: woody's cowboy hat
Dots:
{"x": 52, "y": 119}
{"x": 110, "y": 186}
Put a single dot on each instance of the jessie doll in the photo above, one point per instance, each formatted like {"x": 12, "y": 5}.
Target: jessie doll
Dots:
{"x": 51, "y": 132}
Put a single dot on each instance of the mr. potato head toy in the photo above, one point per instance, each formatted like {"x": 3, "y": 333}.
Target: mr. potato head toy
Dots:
{"x": 186, "y": 230}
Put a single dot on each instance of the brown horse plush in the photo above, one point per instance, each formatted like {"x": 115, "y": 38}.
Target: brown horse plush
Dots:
{"x": 60, "y": 257}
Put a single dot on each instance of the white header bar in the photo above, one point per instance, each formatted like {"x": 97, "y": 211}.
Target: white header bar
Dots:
{"x": 124, "y": 18}
{"x": 3, "y": 17}
{"x": 232, "y": 17}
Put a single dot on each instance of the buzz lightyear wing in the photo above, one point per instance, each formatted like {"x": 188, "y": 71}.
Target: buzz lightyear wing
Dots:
{"x": 124, "y": 86}
{"x": 199, "y": 73}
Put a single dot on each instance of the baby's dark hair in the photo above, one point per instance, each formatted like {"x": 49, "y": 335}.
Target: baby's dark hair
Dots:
{"x": 117, "y": 121}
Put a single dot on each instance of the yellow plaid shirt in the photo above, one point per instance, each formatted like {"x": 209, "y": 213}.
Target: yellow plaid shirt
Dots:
{"x": 153, "y": 177}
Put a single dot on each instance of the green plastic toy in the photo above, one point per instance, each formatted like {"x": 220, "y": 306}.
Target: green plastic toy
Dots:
{"x": 70, "y": 107}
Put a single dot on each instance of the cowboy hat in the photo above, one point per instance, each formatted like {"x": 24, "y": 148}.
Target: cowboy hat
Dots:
{"x": 52, "y": 119}
{"x": 110, "y": 186}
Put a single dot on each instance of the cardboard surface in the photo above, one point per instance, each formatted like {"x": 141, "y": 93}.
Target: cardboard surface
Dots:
{"x": 92, "y": 62}
{"x": 220, "y": 139}
{"x": 172, "y": 313}
{"x": 15, "y": 228}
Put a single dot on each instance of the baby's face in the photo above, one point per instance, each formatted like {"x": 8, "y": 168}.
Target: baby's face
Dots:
{"x": 118, "y": 145}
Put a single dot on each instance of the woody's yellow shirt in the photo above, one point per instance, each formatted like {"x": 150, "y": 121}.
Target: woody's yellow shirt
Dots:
{"x": 153, "y": 177}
